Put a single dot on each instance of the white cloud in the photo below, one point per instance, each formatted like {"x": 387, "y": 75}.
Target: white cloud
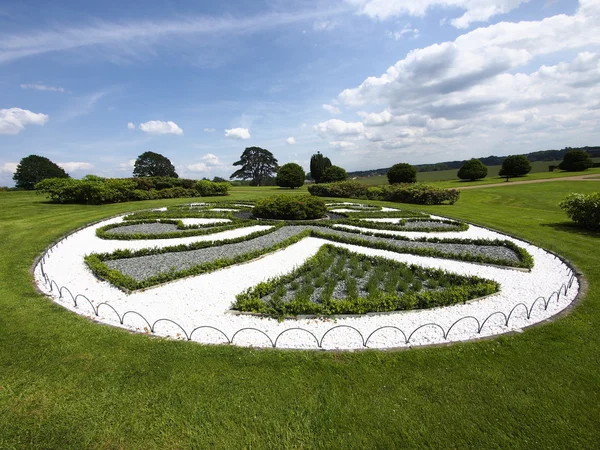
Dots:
{"x": 375, "y": 120}
{"x": 8, "y": 167}
{"x": 475, "y": 10}
{"x": 74, "y": 166}
{"x": 338, "y": 127}
{"x": 207, "y": 163}
{"x": 128, "y": 165}
{"x": 238, "y": 133}
{"x": 291, "y": 140}
{"x": 342, "y": 145}
{"x": 405, "y": 31}
{"x": 209, "y": 130}
{"x": 42, "y": 87}
{"x": 324, "y": 25}
{"x": 160, "y": 127}
{"x": 331, "y": 109}
{"x": 131, "y": 126}
{"x": 14, "y": 120}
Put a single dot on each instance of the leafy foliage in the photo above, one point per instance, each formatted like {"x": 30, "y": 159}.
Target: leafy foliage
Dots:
{"x": 287, "y": 207}
{"x": 402, "y": 173}
{"x": 257, "y": 163}
{"x": 150, "y": 164}
{"x": 472, "y": 170}
{"x": 32, "y": 169}
{"x": 576, "y": 161}
{"x": 318, "y": 165}
{"x": 515, "y": 166}
{"x": 333, "y": 174}
{"x": 583, "y": 209}
{"x": 290, "y": 175}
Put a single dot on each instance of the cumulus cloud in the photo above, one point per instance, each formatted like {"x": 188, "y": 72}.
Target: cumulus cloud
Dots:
{"x": 407, "y": 30}
{"x": 338, "y": 127}
{"x": 342, "y": 145}
{"x": 8, "y": 167}
{"x": 209, "y": 130}
{"x": 160, "y": 127}
{"x": 43, "y": 87}
{"x": 127, "y": 165}
{"x": 475, "y": 10}
{"x": 207, "y": 163}
{"x": 376, "y": 119}
{"x": 291, "y": 140}
{"x": 131, "y": 126}
{"x": 331, "y": 109}
{"x": 14, "y": 120}
{"x": 74, "y": 166}
{"x": 238, "y": 133}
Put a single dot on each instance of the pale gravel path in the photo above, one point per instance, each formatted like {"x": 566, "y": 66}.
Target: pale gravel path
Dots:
{"x": 205, "y": 299}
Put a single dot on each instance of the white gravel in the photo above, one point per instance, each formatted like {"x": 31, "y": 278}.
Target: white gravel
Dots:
{"x": 205, "y": 300}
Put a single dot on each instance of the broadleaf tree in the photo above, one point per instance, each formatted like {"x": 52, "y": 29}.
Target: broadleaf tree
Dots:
{"x": 33, "y": 169}
{"x": 257, "y": 164}
{"x": 515, "y": 166}
{"x": 150, "y": 164}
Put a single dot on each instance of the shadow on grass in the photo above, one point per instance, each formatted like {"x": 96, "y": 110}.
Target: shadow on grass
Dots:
{"x": 573, "y": 228}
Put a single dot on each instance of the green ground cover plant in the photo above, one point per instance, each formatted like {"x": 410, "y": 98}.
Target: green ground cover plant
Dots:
{"x": 337, "y": 281}
{"x": 67, "y": 382}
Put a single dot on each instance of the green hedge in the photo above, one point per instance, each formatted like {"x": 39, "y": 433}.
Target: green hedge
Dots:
{"x": 96, "y": 190}
{"x": 290, "y": 207}
{"x": 417, "y": 193}
{"x": 583, "y": 209}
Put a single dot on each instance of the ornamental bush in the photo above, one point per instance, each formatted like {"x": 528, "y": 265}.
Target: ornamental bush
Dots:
{"x": 346, "y": 189}
{"x": 290, "y": 207}
{"x": 333, "y": 174}
{"x": 402, "y": 173}
{"x": 290, "y": 175}
{"x": 472, "y": 169}
{"x": 583, "y": 209}
{"x": 576, "y": 161}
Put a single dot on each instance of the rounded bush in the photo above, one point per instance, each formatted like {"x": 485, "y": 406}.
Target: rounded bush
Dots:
{"x": 333, "y": 174}
{"x": 576, "y": 161}
{"x": 515, "y": 166}
{"x": 402, "y": 173}
{"x": 472, "y": 170}
{"x": 290, "y": 175}
{"x": 583, "y": 209}
{"x": 290, "y": 207}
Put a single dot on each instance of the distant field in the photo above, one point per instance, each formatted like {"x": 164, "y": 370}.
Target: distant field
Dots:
{"x": 539, "y": 170}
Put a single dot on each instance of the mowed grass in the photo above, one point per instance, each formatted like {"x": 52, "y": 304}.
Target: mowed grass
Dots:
{"x": 66, "y": 382}
{"x": 449, "y": 178}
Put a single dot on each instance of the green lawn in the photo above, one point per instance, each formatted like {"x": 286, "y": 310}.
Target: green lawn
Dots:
{"x": 448, "y": 178}
{"x": 66, "y": 382}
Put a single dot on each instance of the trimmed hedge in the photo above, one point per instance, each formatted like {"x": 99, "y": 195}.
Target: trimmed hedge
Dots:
{"x": 583, "y": 209}
{"x": 96, "y": 190}
{"x": 416, "y": 193}
{"x": 288, "y": 207}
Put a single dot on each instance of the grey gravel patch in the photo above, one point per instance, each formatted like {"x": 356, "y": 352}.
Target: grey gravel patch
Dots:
{"x": 145, "y": 228}
{"x": 143, "y": 267}
{"x": 429, "y": 224}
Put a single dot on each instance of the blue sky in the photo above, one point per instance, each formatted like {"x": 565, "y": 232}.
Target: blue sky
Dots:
{"x": 369, "y": 83}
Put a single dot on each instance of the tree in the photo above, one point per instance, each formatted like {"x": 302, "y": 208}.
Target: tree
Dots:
{"x": 218, "y": 180}
{"x": 402, "y": 173}
{"x": 472, "y": 170}
{"x": 257, "y": 164}
{"x": 318, "y": 165}
{"x": 290, "y": 175}
{"x": 515, "y": 166}
{"x": 334, "y": 173}
{"x": 576, "y": 161}
{"x": 150, "y": 164}
{"x": 33, "y": 169}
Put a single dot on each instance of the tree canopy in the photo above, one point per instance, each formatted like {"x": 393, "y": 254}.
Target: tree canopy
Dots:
{"x": 150, "y": 164}
{"x": 257, "y": 164}
{"x": 576, "y": 161}
{"x": 33, "y": 169}
{"x": 472, "y": 170}
{"x": 402, "y": 173}
{"x": 334, "y": 173}
{"x": 515, "y": 166}
{"x": 290, "y": 175}
{"x": 318, "y": 165}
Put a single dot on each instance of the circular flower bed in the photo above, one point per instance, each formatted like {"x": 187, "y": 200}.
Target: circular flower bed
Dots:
{"x": 290, "y": 207}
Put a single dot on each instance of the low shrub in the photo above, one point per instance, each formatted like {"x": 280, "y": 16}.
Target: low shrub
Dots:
{"x": 417, "y": 193}
{"x": 583, "y": 209}
{"x": 210, "y": 188}
{"x": 288, "y": 207}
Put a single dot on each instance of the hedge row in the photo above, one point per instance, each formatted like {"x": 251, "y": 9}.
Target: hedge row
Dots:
{"x": 417, "y": 193}
{"x": 96, "y": 190}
